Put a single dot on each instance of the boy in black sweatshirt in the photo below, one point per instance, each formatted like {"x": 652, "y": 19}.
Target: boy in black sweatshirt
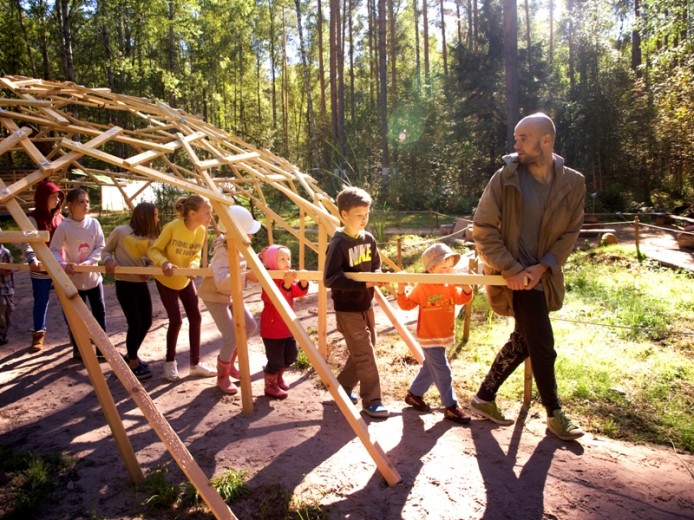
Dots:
{"x": 353, "y": 250}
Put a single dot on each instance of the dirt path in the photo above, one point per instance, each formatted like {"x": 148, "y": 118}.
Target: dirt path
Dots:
{"x": 306, "y": 446}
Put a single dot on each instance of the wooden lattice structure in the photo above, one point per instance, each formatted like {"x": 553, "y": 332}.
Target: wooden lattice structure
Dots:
{"x": 48, "y": 129}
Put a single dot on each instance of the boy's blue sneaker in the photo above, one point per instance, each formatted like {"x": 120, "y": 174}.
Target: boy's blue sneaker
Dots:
{"x": 377, "y": 410}
{"x": 353, "y": 397}
{"x": 142, "y": 372}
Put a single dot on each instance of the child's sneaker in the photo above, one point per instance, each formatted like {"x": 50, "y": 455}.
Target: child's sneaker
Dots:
{"x": 489, "y": 410}
{"x": 171, "y": 371}
{"x": 377, "y": 410}
{"x": 202, "y": 370}
{"x": 562, "y": 427}
{"x": 352, "y": 396}
{"x": 455, "y": 414}
{"x": 416, "y": 402}
{"x": 142, "y": 372}
{"x": 141, "y": 361}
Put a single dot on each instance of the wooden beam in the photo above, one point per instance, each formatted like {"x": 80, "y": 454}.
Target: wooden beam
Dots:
{"x": 22, "y": 237}
{"x": 14, "y": 138}
{"x": 320, "y": 366}
{"x": 80, "y": 319}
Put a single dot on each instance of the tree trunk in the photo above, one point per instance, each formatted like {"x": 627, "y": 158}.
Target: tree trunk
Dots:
{"x": 64, "y": 15}
{"x": 572, "y": 50}
{"x": 551, "y": 31}
{"x": 459, "y": 22}
{"x": 340, "y": 44}
{"x": 321, "y": 66}
{"x": 285, "y": 87}
{"x": 383, "y": 97}
{"x": 511, "y": 68}
{"x": 444, "y": 50}
{"x": 425, "y": 30}
{"x": 273, "y": 63}
{"x": 528, "y": 41}
{"x": 172, "y": 51}
{"x": 393, "y": 55}
{"x": 418, "y": 63}
{"x": 373, "y": 53}
{"x": 475, "y": 25}
{"x": 313, "y": 154}
{"x": 20, "y": 21}
{"x": 352, "y": 97}
{"x": 636, "y": 43}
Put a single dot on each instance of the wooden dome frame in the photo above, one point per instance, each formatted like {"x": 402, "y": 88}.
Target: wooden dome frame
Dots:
{"x": 44, "y": 125}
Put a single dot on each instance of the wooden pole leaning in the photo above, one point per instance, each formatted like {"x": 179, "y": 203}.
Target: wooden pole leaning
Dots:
{"x": 84, "y": 327}
{"x": 322, "y": 324}
{"x": 237, "y": 306}
{"x": 357, "y": 424}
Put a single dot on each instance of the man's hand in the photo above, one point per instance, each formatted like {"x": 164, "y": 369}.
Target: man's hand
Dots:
{"x": 526, "y": 279}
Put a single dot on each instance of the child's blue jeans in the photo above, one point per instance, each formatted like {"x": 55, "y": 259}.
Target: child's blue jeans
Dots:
{"x": 436, "y": 370}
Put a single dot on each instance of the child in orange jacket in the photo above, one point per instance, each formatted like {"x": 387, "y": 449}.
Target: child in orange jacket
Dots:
{"x": 436, "y": 330}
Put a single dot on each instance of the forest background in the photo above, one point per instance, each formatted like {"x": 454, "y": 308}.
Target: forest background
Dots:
{"x": 415, "y": 100}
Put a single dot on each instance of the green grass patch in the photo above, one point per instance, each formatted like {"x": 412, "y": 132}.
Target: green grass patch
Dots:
{"x": 625, "y": 349}
{"x": 29, "y": 479}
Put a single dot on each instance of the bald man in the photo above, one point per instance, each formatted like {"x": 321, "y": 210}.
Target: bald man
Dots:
{"x": 525, "y": 227}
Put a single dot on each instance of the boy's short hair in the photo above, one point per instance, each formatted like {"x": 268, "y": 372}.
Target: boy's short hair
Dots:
{"x": 352, "y": 197}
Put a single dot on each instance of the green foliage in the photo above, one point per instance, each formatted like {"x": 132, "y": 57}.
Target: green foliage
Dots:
{"x": 159, "y": 492}
{"x": 625, "y": 359}
{"x": 278, "y": 502}
{"x": 626, "y": 125}
{"x": 30, "y": 480}
{"x": 302, "y": 361}
{"x": 231, "y": 485}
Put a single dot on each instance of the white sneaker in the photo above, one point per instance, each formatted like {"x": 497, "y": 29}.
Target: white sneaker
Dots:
{"x": 171, "y": 371}
{"x": 202, "y": 370}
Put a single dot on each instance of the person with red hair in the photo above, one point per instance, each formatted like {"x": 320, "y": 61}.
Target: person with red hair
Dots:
{"x": 48, "y": 201}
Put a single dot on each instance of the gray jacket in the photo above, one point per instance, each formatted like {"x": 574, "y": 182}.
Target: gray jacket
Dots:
{"x": 496, "y": 230}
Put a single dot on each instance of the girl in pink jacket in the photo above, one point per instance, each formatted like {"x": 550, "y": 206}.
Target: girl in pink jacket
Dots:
{"x": 280, "y": 345}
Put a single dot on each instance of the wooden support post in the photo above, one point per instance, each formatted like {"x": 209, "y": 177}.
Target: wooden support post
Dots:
{"x": 636, "y": 238}
{"x": 386, "y": 468}
{"x": 240, "y": 326}
{"x": 322, "y": 324}
{"x": 302, "y": 239}
{"x": 398, "y": 258}
{"x": 527, "y": 384}
{"x": 77, "y": 315}
{"x": 472, "y": 268}
{"x": 404, "y": 332}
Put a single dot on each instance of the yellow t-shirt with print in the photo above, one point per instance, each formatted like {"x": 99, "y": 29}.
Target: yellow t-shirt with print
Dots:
{"x": 180, "y": 246}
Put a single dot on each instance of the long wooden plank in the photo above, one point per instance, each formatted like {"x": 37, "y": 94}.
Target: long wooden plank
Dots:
{"x": 28, "y": 146}
{"x": 407, "y": 336}
{"x": 57, "y": 116}
{"x": 60, "y": 280}
{"x": 15, "y": 237}
{"x": 14, "y": 138}
{"x": 80, "y": 320}
{"x": 390, "y": 474}
{"x": 84, "y": 327}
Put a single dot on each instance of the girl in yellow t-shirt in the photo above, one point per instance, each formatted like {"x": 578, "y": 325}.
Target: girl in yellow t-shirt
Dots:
{"x": 179, "y": 245}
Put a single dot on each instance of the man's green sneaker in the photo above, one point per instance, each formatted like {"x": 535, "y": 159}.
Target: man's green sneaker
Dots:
{"x": 562, "y": 427}
{"x": 489, "y": 410}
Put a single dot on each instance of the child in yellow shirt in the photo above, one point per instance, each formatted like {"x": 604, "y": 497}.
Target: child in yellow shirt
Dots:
{"x": 179, "y": 245}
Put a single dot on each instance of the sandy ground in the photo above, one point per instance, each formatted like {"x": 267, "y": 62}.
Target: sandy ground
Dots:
{"x": 306, "y": 446}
